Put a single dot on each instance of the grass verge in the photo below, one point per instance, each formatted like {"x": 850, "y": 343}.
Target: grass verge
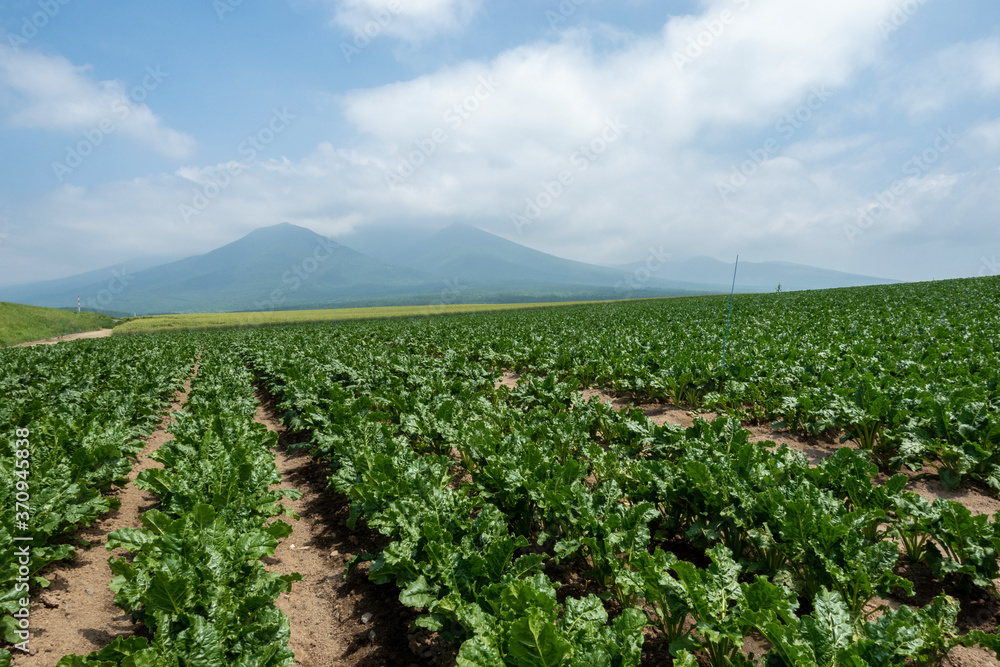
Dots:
{"x": 20, "y": 324}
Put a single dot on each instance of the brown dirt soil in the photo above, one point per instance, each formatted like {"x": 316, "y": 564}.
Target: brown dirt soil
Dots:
{"x": 961, "y": 656}
{"x": 509, "y": 380}
{"x": 352, "y": 623}
{"x": 76, "y": 613}
{"x": 976, "y": 499}
{"x": 100, "y": 333}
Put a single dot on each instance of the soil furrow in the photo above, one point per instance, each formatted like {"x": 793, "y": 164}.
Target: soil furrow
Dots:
{"x": 352, "y": 623}
{"x": 76, "y": 613}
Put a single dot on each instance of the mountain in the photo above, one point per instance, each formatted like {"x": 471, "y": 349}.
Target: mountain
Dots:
{"x": 472, "y": 256}
{"x": 287, "y": 267}
{"x": 272, "y": 268}
{"x": 756, "y": 276}
{"x": 62, "y": 292}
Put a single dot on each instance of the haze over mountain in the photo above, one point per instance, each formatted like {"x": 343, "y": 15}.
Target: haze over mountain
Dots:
{"x": 470, "y": 255}
{"x": 754, "y": 276}
{"x": 290, "y": 267}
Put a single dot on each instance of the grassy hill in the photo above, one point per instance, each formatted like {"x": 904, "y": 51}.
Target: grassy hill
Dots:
{"x": 19, "y": 324}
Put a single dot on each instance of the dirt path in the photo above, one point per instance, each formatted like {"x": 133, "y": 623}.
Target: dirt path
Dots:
{"x": 351, "y": 623}
{"x": 76, "y": 614}
{"x": 100, "y": 333}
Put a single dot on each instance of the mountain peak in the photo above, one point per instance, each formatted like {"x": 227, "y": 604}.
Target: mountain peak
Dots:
{"x": 462, "y": 229}
{"x": 284, "y": 234}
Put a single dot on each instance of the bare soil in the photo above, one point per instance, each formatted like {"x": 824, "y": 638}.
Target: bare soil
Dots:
{"x": 76, "y": 613}
{"x": 100, "y": 333}
{"x": 352, "y": 622}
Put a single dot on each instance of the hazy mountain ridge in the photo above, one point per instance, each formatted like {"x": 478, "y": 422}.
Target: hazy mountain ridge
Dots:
{"x": 755, "y": 276}
{"x": 290, "y": 267}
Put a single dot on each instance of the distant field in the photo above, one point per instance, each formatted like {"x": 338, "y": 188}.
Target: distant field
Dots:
{"x": 198, "y": 322}
{"x": 19, "y": 324}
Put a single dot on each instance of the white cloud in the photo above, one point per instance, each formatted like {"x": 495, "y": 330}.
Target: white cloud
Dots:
{"x": 552, "y": 98}
{"x": 410, "y": 20}
{"x": 49, "y": 92}
{"x": 986, "y": 135}
{"x": 824, "y": 149}
{"x": 985, "y": 60}
{"x": 952, "y": 75}
{"x": 522, "y": 117}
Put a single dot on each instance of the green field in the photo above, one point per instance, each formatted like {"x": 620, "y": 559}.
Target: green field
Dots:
{"x": 19, "y": 324}
{"x": 206, "y": 321}
{"x": 532, "y": 522}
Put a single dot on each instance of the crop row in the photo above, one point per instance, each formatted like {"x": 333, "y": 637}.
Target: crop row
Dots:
{"x": 498, "y": 503}
{"x": 906, "y": 371}
{"x": 194, "y": 576}
{"x": 486, "y": 494}
{"x": 81, "y": 410}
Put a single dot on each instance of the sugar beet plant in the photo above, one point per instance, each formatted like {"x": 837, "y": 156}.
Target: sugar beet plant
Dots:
{"x": 83, "y": 407}
{"x": 488, "y": 495}
{"x": 194, "y": 576}
{"x": 531, "y": 527}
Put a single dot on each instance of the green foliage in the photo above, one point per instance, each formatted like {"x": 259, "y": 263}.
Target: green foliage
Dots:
{"x": 194, "y": 574}
{"x": 486, "y": 495}
{"x": 84, "y": 407}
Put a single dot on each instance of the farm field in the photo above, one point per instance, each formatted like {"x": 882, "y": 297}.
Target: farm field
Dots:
{"x": 209, "y": 321}
{"x": 584, "y": 485}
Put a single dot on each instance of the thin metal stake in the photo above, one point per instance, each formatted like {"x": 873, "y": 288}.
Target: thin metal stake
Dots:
{"x": 725, "y": 340}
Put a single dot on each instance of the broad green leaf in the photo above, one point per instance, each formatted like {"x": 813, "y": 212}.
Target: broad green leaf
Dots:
{"x": 535, "y": 642}
{"x": 171, "y": 595}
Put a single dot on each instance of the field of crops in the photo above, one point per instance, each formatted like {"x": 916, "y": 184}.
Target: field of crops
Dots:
{"x": 524, "y": 525}
{"x": 209, "y": 321}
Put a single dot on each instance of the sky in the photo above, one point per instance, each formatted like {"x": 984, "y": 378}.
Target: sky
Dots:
{"x": 857, "y": 135}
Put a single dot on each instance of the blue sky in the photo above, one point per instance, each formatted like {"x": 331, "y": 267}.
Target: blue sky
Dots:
{"x": 862, "y": 135}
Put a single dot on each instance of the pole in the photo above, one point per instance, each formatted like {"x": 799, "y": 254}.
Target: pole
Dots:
{"x": 729, "y": 317}
{"x": 78, "y": 303}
